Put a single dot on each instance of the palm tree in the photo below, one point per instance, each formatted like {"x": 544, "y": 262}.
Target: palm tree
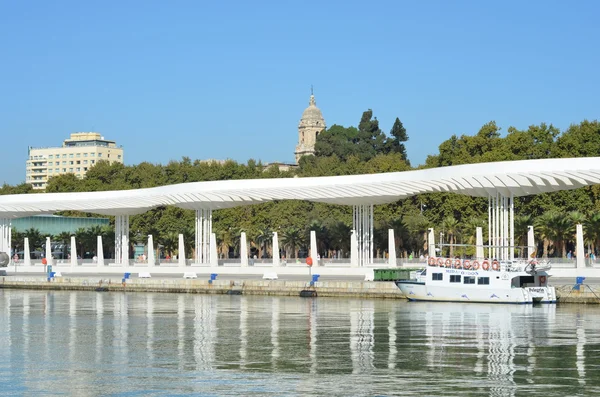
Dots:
{"x": 292, "y": 239}
{"x": 107, "y": 233}
{"x": 17, "y": 240}
{"x": 263, "y": 237}
{"x": 35, "y": 238}
{"x": 169, "y": 240}
{"x": 339, "y": 237}
{"x": 545, "y": 227}
{"x": 592, "y": 230}
{"x": 225, "y": 240}
{"x": 189, "y": 241}
{"x": 451, "y": 228}
{"x": 522, "y": 223}
{"x": 65, "y": 239}
{"x": 564, "y": 230}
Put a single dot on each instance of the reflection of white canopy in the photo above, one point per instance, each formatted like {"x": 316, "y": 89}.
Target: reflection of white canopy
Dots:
{"x": 519, "y": 178}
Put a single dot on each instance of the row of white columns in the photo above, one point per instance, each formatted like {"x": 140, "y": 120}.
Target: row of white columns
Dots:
{"x": 501, "y": 226}
{"x": 531, "y": 247}
{"x": 204, "y": 237}
{"x": 362, "y": 226}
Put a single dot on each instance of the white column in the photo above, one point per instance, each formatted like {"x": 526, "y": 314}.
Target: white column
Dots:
{"x": 198, "y": 237}
{"x": 203, "y": 232}
{"x": 530, "y": 242}
{"x": 122, "y": 239}
{"x": 125, "y": 249}
{"x": 73, "y": 251}
{"x": 579, "y": 248}
{"x": 276, "y": 259}
{"x": 26, "y": 253}
{"x": 490, "y": 238}
{"x": 353, "y": 249}
{"x": 181, "y": 254}
{"x": 314, "y": 253}
{"x": 431, "y": 243}
{"x": 243, "y": 250}
{"x": 99, "y": 251}
{"x": 512, "y": 227}
{"x": 363, "y": 225}
{"x": 48, "y": 251}
{"x": 5, "y": 235}
{"x": 151, "y": 257}
{"x": 214, "y": 257}
{"x": 479, "y": 243}
{"x": 391, "y": 248}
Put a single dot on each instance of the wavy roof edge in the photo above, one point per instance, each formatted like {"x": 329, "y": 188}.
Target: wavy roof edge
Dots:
{"x": 518, "y": 178}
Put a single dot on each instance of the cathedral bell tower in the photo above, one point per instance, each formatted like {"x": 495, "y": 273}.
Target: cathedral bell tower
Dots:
{"x": 311, "y": 124}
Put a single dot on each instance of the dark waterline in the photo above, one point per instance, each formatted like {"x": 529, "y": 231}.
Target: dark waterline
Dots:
{"x": 84, "y": 343}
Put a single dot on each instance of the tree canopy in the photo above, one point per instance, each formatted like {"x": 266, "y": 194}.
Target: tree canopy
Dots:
{"x": 356, "y": 150}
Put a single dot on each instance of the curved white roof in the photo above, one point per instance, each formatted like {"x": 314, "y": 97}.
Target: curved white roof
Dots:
{"x": 519, "y": 178}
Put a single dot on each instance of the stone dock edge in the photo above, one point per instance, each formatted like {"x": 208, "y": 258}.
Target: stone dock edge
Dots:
{"x": 347, "y": 289}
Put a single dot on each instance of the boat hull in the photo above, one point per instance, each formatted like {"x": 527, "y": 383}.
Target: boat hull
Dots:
{"x": 419, "y": 291}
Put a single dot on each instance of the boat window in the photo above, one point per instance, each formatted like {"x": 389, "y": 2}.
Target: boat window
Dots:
{"x": 455, "y": 278}
{"x": 469, "y": 280}
{"x": 483, "y": 280}
{"x": 437, "y": 276}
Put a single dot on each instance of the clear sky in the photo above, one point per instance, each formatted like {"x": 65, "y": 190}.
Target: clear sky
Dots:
{"x": 230, "y": 79}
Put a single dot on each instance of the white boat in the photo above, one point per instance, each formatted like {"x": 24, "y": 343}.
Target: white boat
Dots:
{"x": 486, "y": 281}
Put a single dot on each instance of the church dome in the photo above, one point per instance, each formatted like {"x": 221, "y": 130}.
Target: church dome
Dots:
{"x": 312, "y": 116}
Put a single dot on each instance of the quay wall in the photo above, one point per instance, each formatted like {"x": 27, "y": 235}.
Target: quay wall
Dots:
{"x": 349, "y": 289}
{"x": 353, "y": 289}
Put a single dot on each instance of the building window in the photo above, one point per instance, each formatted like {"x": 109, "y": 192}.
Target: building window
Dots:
{"x": 85, "y": 168}
{"x": 119, "y": 156}
{"x": 50, "y": 156}
{"x": 78, "y": 161}
{"x": 64, "y": 163}
{"x": 70, "y": 155}
{"x": 78, "y": 155}
{"x": 64, "y": 156}
{"x": 78, "y": 169}
{"x": 57, "y": 170}
{"x": 93, "y": 161}
{"x": 93, "y": 154}
{"x": 70, "y": 163}
{"x": 84, "y": 161}
{"x": 469, "y": 280}
{"x": 64, "y": 170}
{"x": 455, "y": 278}
{"x": 70, "y": 169}
{"x": 483, "y": 280}
{"x": 437, "y": 276}
{"x": 85, "y": 155}
{"x": 99, "y": 154}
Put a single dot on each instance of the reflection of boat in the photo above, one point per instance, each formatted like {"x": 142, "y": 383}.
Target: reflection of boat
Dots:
{"x": 456, "y": 280}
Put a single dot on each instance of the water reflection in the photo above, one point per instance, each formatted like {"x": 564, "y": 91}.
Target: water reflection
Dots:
{"x": 67, "y": 342}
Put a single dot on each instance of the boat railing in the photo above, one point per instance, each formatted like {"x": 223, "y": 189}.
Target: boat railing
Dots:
{"x": 517, "y": 265}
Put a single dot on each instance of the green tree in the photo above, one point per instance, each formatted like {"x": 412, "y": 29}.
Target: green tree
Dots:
{"x": 395, "y": 143}
{"x": 292, "y": 239}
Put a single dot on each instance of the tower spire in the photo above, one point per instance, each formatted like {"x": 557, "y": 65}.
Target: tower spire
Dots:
{"x": 312, "y": 97}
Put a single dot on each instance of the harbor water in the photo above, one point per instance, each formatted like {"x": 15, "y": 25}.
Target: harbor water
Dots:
{"x": 57, "y": 343}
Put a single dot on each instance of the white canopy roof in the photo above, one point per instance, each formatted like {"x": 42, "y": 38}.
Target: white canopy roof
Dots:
{"x": 519, "y": 178}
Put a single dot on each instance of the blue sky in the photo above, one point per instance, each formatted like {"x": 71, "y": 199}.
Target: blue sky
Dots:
{"x": 230, "y": 79}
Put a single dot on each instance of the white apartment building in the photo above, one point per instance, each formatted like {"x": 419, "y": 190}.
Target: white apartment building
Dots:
{"x": 76, "y": 156}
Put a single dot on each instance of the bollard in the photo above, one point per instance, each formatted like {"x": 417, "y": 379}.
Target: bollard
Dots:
{"x": 578, "y": 282}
